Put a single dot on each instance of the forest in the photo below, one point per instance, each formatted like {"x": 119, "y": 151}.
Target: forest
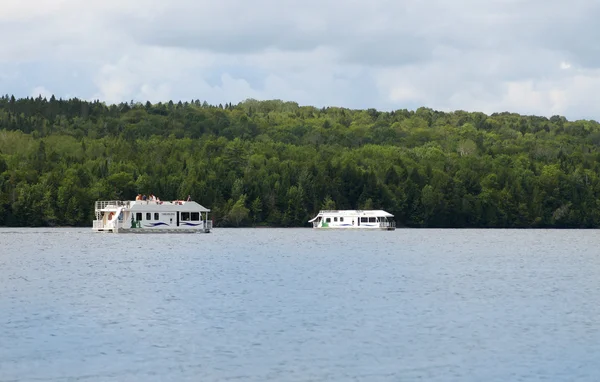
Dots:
{"x": 276, "y": 163}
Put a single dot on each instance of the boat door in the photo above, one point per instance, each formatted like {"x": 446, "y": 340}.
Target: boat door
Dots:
{"x": 177, "y": 213}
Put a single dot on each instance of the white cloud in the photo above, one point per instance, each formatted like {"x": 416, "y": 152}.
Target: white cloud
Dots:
{"x": 40, "y": 91}
{"x": 528, "y": 56}
{"x": 148, "y": 73}
{"x": 24, "y": 10}
{"x": 565, "y": 65}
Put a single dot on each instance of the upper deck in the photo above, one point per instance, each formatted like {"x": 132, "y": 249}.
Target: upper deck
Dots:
{"x": 149, "y": 205}
{"x": 374, "y": 213}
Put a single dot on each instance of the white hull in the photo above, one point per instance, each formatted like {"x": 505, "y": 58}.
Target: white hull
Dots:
{"x": 389, "y": 228}
{"x": 157, "y": 230}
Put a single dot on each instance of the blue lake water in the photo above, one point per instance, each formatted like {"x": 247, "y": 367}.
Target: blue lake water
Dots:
{"x": 300, "y": 305}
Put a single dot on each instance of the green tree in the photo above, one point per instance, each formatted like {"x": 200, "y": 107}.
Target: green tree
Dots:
{"x": 238, "y": 212}
{"x": 328, "y": 203}
{"x": 256, "y": 209}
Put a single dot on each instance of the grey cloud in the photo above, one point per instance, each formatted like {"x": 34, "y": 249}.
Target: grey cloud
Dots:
{"x": 467, "y": 54}
{"x": 227, "y": 41}
{"x": 383, "y": 32}
{"x": 359, "y": 33}
{"x": 386, "y": 50}
{"x": 578, "y": 43}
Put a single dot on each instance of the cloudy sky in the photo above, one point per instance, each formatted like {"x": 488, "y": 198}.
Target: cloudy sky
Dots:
{"x": 529, "y": 56}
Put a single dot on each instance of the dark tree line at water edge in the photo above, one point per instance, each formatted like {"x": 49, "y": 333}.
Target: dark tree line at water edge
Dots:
{"x": 277, "y": 163}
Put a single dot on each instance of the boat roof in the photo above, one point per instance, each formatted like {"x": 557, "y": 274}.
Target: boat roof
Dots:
{"x": 359, "y": 213}
{"x": 146, "y": 205}
{"x": 152, "y": 206}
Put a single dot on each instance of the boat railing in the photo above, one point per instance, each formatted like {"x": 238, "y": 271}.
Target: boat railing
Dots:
{"x": 209, "y": 224}
{"x": 386, "y": 224}
{"x": 102, "y": 204}
{"x": 97, "y": 224}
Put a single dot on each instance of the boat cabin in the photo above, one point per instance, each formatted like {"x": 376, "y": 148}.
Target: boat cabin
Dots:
{"x": 151, "y": 216}
{"x": 358, "y": 219}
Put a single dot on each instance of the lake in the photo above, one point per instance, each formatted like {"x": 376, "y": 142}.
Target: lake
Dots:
{"x": 300, "y": 305}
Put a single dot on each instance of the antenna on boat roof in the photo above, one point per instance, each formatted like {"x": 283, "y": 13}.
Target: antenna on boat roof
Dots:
{"x": 189, "y": 198}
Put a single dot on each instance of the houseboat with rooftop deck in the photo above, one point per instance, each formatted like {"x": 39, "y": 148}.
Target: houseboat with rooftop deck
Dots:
{"x": 354, "y": 219}
{"x": 151, "y": 216}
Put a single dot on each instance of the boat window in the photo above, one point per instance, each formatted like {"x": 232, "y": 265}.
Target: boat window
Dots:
{"x": 372, "y": 220}
{"x": 156, "y": 217}
{"x": 364, "y": 220}
{"x": 195, "y": 216}
{"x": 335, "y": 219}
{"x": 341, "y": 219}
{"x": 185, "y": 216}
{"x": 148, "y": 216}
{"x": 138, "y": 216}
{"x": 328, "y": 220}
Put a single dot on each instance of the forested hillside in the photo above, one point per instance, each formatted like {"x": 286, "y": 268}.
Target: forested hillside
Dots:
{"x": 276, "y": 163}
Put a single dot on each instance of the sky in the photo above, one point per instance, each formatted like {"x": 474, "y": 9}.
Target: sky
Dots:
{"x": 535, "y": 57}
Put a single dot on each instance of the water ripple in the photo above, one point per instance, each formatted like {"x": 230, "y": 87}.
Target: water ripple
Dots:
{"x": 300, "y": 305}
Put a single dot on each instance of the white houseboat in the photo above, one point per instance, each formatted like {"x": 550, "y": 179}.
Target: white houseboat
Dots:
{"x": 354, "y": 219}
{"x": 143, "y": 216}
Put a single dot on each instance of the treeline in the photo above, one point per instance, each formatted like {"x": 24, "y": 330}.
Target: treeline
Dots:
{"x": 277, "y": 163}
